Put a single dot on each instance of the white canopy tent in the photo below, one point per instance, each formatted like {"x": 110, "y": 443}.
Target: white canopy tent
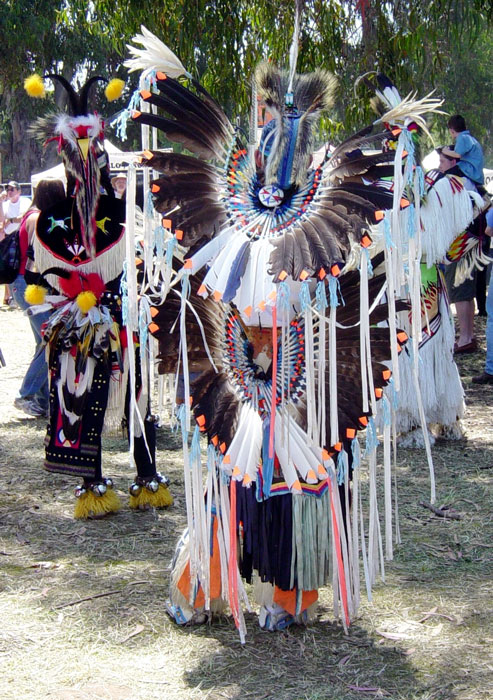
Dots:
{"x": 119, "y": 161}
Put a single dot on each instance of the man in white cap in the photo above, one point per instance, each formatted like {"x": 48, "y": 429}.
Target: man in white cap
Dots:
{"x": 119, "y": 184}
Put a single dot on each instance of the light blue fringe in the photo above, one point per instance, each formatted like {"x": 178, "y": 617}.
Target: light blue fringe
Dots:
{"x": 124, "y": 293}
{"x": 305, "y": 299}
{"x": 371, "y": 437}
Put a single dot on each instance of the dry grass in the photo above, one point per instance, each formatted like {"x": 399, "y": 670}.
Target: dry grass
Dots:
{"x": 427, "y": 635}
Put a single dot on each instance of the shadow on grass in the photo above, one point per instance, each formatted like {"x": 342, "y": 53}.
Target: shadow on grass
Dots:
{"x": 313, "y": 663}
{"x": 51, "y": 563}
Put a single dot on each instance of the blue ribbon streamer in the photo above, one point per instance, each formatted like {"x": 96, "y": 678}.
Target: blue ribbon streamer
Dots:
{"x": 125, "y": 115}
{"x": 394, "y": 396}
{"x": 149, "y": 205}
{"x": 387, "y": 416}
{"x": 195, "y": 446}
{"x": 171, "y": 246}
{"x": 421, "y": 180}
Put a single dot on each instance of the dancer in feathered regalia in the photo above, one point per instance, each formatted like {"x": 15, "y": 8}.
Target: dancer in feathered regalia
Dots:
{"x": 446, "y": 209}
{"x": 298, "y": 339}
{"x": 80, "y": 250}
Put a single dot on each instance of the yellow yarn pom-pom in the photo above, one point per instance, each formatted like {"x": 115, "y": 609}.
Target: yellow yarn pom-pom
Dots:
{"x": 114, "y": 89}
{"x": 34, "y": 86}
{"x": 35, "y": 294}
{"x": 85, "y": 301}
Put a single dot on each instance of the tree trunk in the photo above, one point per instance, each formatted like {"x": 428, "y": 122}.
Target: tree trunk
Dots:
{"x": 22, "y": 154}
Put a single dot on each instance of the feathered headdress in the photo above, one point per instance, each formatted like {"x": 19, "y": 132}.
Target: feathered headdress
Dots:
{"x": 296, "y": 106}
{"x": 80, "y": 137}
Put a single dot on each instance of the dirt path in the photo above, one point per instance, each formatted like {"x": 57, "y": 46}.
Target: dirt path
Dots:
{"x": 427, "y": 635}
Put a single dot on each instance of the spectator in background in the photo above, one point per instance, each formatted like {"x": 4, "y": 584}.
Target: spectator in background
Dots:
{"x": 467, "y": 150}
{"x": 462, "y": 295}
{"x": 33, "y": 394}
{"x": 119, "y": 184}
{"x": 487, "y": 376}
{"x": 471, "y": 163}
{"x": 12, "y": 209}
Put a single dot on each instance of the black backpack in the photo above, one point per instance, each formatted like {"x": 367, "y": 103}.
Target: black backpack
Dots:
{"x": 10, "y": 258}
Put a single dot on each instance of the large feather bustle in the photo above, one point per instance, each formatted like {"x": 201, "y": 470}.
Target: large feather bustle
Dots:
{"x": 360, "y": 165}
{"x": 183, "y": 133}
{"x": 177, "y": 163}
{"x": 183, "y": 103}
{"x": 165, "y": 329}
{"x": 198, "y": 122}
{"x": 411, "y": 109}
{"x": 319, "y": 241}
{"x": 351, "y": 415}
{"x": 216, "y": 406}
{"x": 188, "y": 194}
{"x": 354, "y": 195}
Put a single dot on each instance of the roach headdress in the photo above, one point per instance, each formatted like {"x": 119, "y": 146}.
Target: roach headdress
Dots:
{"x": 287, "y": 141}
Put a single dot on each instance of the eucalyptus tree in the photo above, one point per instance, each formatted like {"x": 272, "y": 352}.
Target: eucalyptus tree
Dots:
{"x": 415, "y": 41}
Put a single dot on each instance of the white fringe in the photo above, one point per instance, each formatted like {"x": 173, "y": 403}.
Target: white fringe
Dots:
{"x": 108, "y": 265}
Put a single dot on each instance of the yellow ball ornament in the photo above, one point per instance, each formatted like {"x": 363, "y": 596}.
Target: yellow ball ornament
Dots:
{"x": 34, "y": 86}
{"x": 35, "y": 294}
{"x": 114, "y": 89}
{"x": 85, "y": 301}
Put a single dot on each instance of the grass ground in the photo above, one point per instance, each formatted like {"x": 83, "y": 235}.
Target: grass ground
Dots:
{"x": 81, "y": 603}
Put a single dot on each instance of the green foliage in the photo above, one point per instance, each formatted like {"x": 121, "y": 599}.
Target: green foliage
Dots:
{"x": 419, "y": 43}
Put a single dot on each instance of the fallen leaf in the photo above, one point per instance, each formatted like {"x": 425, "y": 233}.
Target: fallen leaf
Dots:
{"x": 344, "y": 660}
{"x": 434, "y": 613}
{"x": 137, "y": 630}
{"x": 395, "y": 636}
{"x": 427, "y": 615}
